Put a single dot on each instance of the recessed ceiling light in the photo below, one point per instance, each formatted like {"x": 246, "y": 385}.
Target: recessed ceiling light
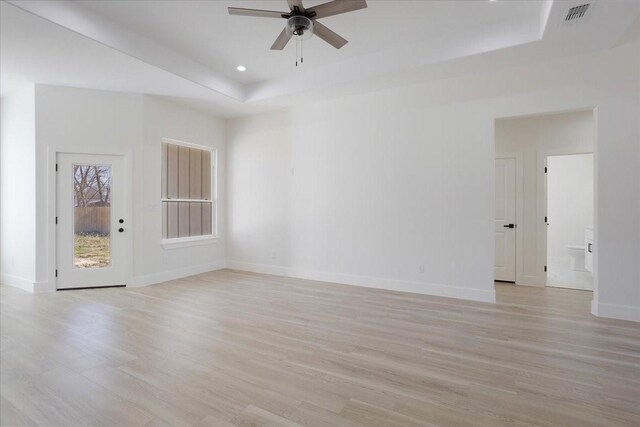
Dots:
{"x": 241, "y": 68}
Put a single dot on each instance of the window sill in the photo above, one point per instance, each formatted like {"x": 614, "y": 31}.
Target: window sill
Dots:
{"x": 185, "y": 242}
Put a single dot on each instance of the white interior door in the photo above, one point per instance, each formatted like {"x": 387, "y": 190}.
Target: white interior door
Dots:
{"x": 505, "y": 221}
{"x": 91, "y": 226}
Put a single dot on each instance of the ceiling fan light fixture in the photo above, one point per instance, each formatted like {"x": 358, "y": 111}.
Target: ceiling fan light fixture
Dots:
{"x": 302, "y": 22}
{"x": 300, "y": 27}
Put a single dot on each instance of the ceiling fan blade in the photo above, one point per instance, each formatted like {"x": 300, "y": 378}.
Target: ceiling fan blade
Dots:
{"x": 256, "y": 12}
{"x": 281, "y": 41}
{"x": 329, "y": 36}
{"x": 293, "y": 3}
{"x": 337, "y": 7}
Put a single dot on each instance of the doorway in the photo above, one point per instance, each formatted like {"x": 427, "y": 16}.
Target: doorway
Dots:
{"x": 530, "y": 140}
{"x": 505, "y": 220}
{"x": 569, "y": 217}
{"x": 90, "y": 221}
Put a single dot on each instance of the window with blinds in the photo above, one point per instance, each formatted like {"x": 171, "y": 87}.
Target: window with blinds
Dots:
{"x": 187, "y": 186}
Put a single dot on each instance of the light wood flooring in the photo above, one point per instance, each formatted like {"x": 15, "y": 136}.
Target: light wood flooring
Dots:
{"x": 230, "y": 348}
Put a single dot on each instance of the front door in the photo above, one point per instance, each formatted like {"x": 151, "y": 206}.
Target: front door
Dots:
{"x": 505, "y": 220}
{"x": 91, "y": 224}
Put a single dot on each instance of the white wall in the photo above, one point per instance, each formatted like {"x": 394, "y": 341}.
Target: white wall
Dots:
{"x": 569, "y": 204}
{"x": 533, "y": 137}
{"x": 82, "y": 120}
{"x": 365, "y": 189}
{"x": 163, "y": 119}
{"x": 351, "y": 192}
{"x": 17, "y": 188}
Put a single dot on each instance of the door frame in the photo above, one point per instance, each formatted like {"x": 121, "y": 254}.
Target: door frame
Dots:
{"x": 51, "y": 206}
{"x": 542, "y": 231}
{"x": 518, "y": 156}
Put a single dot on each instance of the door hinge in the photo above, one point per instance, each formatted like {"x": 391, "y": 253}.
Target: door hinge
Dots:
{"x": 545, "y": 268}
{"x": 56, "y": 167}
{"x": 56, "y": 220}
{"x": 545, "y": 219}
{"x": 56, "y": 272}
{"x": 545, "y": 169}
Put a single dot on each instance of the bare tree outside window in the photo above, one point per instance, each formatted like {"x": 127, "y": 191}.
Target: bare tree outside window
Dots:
{"x": 92, "y": 185}
{"x": 92, "y": 213}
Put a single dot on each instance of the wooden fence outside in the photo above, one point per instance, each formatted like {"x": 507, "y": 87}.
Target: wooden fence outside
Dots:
{"x": 91, "y": 220}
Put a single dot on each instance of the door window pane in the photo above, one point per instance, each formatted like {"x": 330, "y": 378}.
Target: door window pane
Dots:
{"x": 92, "y": 216}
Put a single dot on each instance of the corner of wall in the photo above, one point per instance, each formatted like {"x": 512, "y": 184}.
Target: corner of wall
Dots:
{"x": 179, "y": 273}
{"x": 17, "y": 206}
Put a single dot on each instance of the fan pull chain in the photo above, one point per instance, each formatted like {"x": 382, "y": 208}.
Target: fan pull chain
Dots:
{"x": 299, "y": 59}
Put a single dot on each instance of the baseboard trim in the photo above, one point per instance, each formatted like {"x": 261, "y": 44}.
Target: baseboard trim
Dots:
{"x": 40, "y": 287}
{"x": 614, "y": 311}
{"x": 369, "y": 282}
{"x": 17, "y": 282}
{"x": 179, "y": 273}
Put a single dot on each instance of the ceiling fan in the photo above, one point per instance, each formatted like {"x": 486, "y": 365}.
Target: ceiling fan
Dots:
{"x": 303, "y": 22}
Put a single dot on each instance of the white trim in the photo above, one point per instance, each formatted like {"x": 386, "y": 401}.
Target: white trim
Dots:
{"x": 614, "y": 311}
{"x": 26, "y": 285}
{"x": 184, "y": 242}
{"x": 189, "y": 200}
{"x": 17, "y": 282}
{"x": 187, "y": 144}
{"x": 214, "y": 193}
{"x": 39, "y": 287}
{"x": 179, "y": 273}
{"x": 596, "y": 294}
{"x": 370, "y": 282}
{"x": 518, "y": 156}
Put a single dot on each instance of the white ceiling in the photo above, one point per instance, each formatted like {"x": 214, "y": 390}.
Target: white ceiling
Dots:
{"x": 205, "y": 32}
{"x": 33, "y": 50}
{"x": 188, "y": 50}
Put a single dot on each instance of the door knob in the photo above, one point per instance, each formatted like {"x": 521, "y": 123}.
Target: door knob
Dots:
{"x": 121, "y": 220}
{"x": 121, "y": 230}
{"x": 509, "y": 226}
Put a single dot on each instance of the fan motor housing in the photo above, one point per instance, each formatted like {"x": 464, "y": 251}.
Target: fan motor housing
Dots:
{"x": 300, "y": 26}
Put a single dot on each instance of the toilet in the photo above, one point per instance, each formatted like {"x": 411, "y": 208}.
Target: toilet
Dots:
{"x": 576, "y": 254}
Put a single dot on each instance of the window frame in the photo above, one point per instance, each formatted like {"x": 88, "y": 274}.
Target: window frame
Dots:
{"x": 181, "y": 242}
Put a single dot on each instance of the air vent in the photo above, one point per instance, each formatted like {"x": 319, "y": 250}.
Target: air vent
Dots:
{"x": 577, "y": 12}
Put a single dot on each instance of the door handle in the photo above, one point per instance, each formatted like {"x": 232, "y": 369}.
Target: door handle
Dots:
{"x": 509, "y": 226}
